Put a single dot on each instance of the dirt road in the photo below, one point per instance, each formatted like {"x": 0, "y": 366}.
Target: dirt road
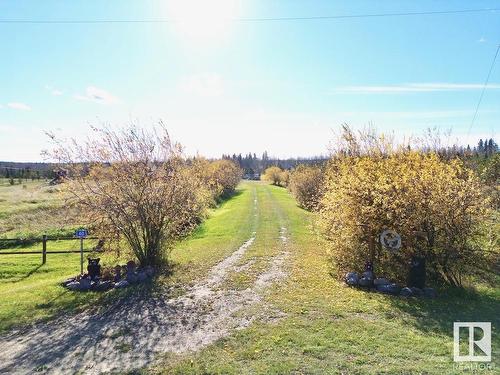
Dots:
{"x": 131, "y": 334}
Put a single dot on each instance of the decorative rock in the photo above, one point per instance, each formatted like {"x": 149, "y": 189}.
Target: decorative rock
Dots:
{"x": 85, "y": 284}
{"x": 141, "y": 276}
{"x": 131, "y": 277}
{"x": 104, "y": 278}
{"x": 122, "y": 284}
{"x": 393, "y": 289}
{"x": 368, "y": 275}
{"x": 352, "y": 278}
{"x": 150, "y": 271}
{"x": 429, "y": 292}
{"x": 73, "y": 285}
{"x": 131, "y": 266}
{"x": 381, "y": 281}
{"x": 118, "y": 273}
{"x": 102, "y": 286}
{"x": 406, "y": 292}
{"x": 417, "y": 292}
{"x": 366, "y": 282}
{"x": 65, "y": 283}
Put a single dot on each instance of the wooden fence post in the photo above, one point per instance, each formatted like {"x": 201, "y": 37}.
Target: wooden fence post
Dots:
{"x": 44, "y": 249}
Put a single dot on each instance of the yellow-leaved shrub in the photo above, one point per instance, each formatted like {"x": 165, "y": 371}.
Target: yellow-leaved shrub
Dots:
{"x": 276, "y": 176}
{"x": 306, "y": 185}
{"x": 435, "y": 205}
{"x": 220, "y": 177}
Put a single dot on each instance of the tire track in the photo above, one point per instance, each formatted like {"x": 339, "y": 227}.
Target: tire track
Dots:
{"x": 131, "y": 335}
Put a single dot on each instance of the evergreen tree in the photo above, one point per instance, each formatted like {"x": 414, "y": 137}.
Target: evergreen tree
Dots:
{"x": 480, "y": 146}
{"x": 492, "y": 147}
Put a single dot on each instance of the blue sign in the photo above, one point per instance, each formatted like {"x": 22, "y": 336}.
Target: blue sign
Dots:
{"x": 81, "y": 233}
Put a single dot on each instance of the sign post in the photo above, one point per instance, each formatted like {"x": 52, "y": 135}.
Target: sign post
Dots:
{"x": 81, "y": 234}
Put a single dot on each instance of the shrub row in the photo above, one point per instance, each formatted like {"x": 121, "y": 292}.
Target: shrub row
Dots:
{"x": 306, "y": 185}
{"x": 276, "y": 176}
{"x": 438, "y": 205}
{"x": 220, "y": 177}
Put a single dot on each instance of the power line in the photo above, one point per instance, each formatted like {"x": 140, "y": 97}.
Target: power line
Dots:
{"x": 264, "y": 19}
{"x": 483, "y": 90}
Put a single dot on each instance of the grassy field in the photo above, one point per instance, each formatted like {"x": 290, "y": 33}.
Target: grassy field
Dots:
{"x": 322, "y": 326}
{"x": 29, "y": 290}
{"x": 32, "y": 209}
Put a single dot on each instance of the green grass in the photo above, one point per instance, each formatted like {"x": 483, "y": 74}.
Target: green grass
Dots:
{"x": 30, "y": 291}
{"x": 27, "y": 197}
{"x": 329, "y": 328}
{"x": 268, "y": 221}
{"x": 228, "y": 226}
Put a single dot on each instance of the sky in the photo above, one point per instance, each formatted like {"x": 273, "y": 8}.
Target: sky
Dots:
{"x": 225, "y": 81}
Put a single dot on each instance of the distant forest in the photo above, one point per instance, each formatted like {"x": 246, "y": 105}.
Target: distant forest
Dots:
{"x": 254, "y": 165}
{"x": 26, "y": 171}
{"x": 251, "y": 164}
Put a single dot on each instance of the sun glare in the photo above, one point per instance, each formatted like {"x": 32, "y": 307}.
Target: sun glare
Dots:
{"x": 203, "y": 21}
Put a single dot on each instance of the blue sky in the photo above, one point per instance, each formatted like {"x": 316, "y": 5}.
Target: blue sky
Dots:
{"x": 238, "y": 86}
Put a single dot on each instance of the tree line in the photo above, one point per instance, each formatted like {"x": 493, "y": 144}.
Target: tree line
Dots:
{"x": 25, "y": 171}
{"x": 253, "y": 165}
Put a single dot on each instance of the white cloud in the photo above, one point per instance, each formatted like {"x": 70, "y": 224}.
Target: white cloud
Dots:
{"x": 481, "y": 40}
{"x": 19, "y": 106}
{"x": 54, "y": 91}
{"x": 414, "y": 87}
{"x": 209, "y": 85}
{"x": 97, "y": 95}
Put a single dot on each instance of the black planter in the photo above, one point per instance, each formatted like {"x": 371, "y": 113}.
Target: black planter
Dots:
{"x": 416, "y": 277}
{"x": 94, "y": 268}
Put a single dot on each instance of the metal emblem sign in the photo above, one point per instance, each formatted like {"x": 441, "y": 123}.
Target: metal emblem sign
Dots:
{"x": 390, "y": 240}
{"x": 81, "y": 233}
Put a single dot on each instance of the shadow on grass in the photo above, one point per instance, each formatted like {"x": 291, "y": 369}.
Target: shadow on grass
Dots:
{"x": 226, "y": 197}
{"x": 65, "y": 303}
{"x": 137, "y": 313}
{"x": 107, "y": 302}
{"x": 30, "y": 272}
{"x": 452, "y": 305}
{"x": 19, "y": 243}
